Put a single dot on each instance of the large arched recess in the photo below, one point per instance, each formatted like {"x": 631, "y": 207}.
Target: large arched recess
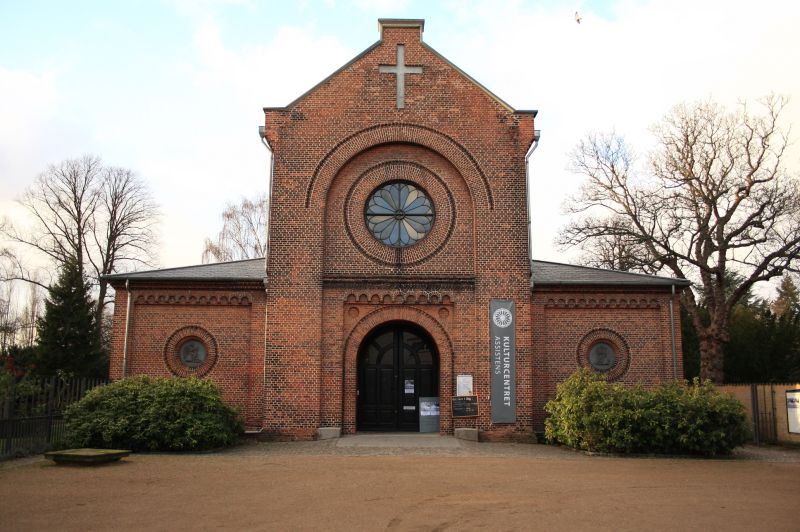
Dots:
{"x": 381, "y": 317}
{"x": 351, "y": 249}
{"x": 447, "y": 147}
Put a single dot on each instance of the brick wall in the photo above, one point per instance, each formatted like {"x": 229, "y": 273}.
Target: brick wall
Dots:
{"x": 771, "y": 399}
{"x": 332, "y": 148}
{"x": 567, "y": 322}
{"x": 229, "y": 320}
{"x": 287, "y": 356}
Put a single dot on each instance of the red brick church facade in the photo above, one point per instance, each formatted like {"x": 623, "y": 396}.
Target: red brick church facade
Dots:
{"x": 329, "y": 330}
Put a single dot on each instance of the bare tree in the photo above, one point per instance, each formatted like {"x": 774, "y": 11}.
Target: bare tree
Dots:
{"x": 9, "y": 321}
{"x": 243, "y": 234}
{"x": 27, "y": 319}
{"x": 715, "y": 200}
{"x": 617, "y": 249}
{"x": 122, "y": 229}
{"x": 62, "y": 202}
{"x": 100, "y": 217}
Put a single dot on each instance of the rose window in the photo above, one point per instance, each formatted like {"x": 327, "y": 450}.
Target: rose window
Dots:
{"x": 399, "y": 214}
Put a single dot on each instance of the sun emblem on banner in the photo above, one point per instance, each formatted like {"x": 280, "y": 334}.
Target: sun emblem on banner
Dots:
{"x": 502, "y": 317}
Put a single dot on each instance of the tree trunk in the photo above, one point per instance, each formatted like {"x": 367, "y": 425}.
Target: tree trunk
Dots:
{"x": 711, "y": 358}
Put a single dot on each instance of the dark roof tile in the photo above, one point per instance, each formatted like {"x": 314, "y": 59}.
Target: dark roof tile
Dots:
{"x": 544, "y": 273}
{"x": 555, "y": 273}
{"x": 239, "y": 270}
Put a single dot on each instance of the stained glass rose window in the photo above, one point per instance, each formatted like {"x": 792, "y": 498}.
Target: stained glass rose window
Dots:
{"x": 399, "y": 214}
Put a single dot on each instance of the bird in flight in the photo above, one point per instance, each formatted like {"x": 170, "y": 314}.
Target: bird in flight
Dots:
{"x": 578, "y": 17}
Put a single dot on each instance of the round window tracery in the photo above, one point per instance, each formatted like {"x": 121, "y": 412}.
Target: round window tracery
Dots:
{"x": 606, "y": 352}
{"x": 602, "y": 357}
{"x": 399, "y": 214}
{"x": 192, "y": 353}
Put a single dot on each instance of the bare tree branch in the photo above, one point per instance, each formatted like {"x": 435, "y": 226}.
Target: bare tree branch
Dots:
{"x": 123, "y": 231}
{"x": 101, "y": 217}
{"x": 715, "y": 200}
{"x": 243, "y": 234}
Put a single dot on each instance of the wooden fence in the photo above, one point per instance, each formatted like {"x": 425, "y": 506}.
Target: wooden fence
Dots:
{"x": 31, "y": 411}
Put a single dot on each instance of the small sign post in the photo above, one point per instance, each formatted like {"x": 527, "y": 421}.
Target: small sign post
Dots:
{"x": 429, "y": 414}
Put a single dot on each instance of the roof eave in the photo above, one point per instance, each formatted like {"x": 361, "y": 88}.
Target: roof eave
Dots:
{"x": 136, "y": 281}
{"x": 677, "y": 282}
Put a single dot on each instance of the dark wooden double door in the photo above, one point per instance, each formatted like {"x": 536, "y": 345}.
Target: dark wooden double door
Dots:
{"x": 397, "y": 365}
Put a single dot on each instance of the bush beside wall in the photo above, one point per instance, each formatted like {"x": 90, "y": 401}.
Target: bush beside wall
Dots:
{"x": 590, "y": 414}
{"x": 153, "y": 414}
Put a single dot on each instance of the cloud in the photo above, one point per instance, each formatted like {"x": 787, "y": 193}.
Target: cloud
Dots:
{"x": 188, "y": 123}
{"x": 206, "y": 8}
{"x": 28, "y": 104}
{"x": 191, "y": 132}
{"x": 620, "y": 69}
{"x": 293, "y": 60}
{"x": 220, "y": 108}
{"x": 383, "y": 7}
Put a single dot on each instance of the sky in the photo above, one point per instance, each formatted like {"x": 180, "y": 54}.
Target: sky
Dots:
{"x": 174, "y": 89}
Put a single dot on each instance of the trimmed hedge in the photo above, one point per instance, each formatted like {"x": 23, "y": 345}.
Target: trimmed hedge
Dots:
{"x": 153, "y": 414}
{"x": 676, "y": 418}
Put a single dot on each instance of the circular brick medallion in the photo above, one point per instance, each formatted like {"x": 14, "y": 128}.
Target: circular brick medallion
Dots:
{"x": 190, "y": 351}
{"x": 606, "y": 352}
{"x": 422, "y": 178}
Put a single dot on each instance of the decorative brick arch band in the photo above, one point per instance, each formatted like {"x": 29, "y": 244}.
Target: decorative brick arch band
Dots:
{"x": 362, "y": 329}
{"x": 367, "y": 138}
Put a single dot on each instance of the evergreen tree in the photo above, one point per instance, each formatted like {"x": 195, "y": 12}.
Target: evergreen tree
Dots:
{"x": 764, "y": 343}
{"x": 17, "y": 360}
{"x": 764, "y": 347}
{"x": 788, "y": 300}
{"x": 691, "y": 346}
{"x": 69, "y": 336}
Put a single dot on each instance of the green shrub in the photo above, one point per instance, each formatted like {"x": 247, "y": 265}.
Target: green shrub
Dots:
{"x": 590, "y": 414}
{"x": 152, "y": 414}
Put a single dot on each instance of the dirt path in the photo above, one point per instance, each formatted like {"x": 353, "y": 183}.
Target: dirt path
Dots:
{"x": 319, "y": 486}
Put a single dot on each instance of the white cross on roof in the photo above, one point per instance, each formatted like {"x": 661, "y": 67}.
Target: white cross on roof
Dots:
{"x": 400, "y": 70}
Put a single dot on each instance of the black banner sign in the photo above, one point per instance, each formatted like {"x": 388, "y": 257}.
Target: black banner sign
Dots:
{"x": 465, "y": 406}
{"x": 503, "y": 347}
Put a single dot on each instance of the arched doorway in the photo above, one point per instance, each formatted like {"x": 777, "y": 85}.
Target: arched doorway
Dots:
{"x": 397, "y": 364}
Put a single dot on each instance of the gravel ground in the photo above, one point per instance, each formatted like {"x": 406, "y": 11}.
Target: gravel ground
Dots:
{"x": 433, "y": 484}
{"x": 334, "y": 447}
